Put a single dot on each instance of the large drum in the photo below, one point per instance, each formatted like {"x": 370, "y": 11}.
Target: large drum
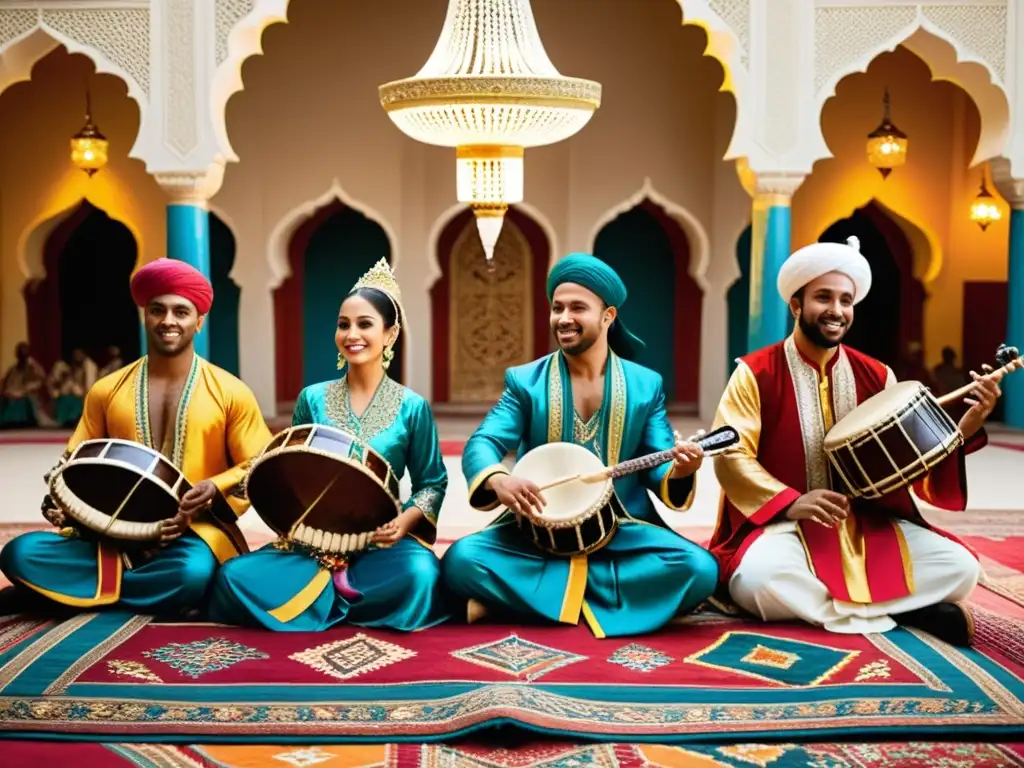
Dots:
{"x": 579, "y": 517}
{"x": 118, "y": 489}
{"x": 890, "y": 440}
{"x": 323, "y": 488}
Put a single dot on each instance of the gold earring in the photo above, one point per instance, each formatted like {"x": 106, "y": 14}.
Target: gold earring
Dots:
{"x": 341, "y": 361}
{"x": 388, "y": 356}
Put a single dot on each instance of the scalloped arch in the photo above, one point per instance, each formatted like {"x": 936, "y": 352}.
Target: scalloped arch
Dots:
{"x": 240, "y": 37}
{"x": 694, "y": 230}
{"x": 948, "y": 60}
{"x": 434, "y": 272}
{"x": 20, "y": 53}
{"x": 281, "y": 234}
{"x": 32, "y": 242}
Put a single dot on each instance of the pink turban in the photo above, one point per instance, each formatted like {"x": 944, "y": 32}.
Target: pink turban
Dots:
{"x": 170, "y": 276}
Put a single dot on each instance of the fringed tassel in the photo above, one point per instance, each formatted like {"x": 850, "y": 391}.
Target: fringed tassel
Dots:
{"x": 1002, "y": 634}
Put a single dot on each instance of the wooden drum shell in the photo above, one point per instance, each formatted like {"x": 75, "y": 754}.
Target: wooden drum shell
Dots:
{"x": 898, "y": 447}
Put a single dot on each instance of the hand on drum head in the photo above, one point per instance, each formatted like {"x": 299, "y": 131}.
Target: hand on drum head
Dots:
{"x": 823, "y": 507}
{"x": 519, "y": 494}
{"x": 394, "y": 531}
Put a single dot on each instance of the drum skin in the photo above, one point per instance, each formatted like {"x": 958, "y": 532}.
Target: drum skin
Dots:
{"x": 890, "y": 440}
{"x": 103, "y": 473}
{"x": 350, "y": 486}
{"x": 579, "y": 517}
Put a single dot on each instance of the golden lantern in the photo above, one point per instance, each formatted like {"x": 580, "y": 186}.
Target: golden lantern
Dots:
{"x": 89, "y": 146}
{"x": 887, "y": 144}
{"x": 984, "y": 209}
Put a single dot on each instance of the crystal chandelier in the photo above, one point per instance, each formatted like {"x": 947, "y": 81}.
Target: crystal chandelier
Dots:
{"x": 490, "y": 90}
{"x": 887, "y": 144}
{"x": 89, "y": 146}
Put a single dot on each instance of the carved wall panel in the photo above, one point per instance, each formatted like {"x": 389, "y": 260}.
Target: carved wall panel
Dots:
{"x": 491, "y": 325}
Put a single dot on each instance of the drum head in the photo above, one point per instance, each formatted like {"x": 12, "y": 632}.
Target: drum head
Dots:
{"x": 874, "y": 411}
{"x": 105, "y": 486}
{"x": 553, "y": 461}
{"x": 283, "y": 486}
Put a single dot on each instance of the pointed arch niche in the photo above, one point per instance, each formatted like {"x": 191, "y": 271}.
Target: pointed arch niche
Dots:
{"x": 327, "y": 254}
{"x": 82, "y": 299}
{"x": 485, "y": 322}
{"x": 652, "y": 253}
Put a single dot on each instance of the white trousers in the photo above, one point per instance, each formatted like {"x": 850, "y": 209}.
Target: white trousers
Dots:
{"x": 775, "y": 582}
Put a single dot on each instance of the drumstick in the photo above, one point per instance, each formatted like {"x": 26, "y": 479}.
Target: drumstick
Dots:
{"x": 652, "y": 459}
{"x": 117, "y": 512}
{"x": 309, "y": 509}
{"x": 997, "y": 374}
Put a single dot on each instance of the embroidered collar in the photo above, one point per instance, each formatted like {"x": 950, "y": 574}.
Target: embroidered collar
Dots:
{"x": 143, "y": 425}
{"x": 380, "y": 413}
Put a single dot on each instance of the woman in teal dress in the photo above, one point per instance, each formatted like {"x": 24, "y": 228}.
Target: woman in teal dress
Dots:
{"x": 394, "y": 584}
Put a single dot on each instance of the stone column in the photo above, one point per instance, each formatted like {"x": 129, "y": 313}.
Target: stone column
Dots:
{"x": 769, "y": 248}
{"x": 188, "y": 225}
{"x": 1012, "y": 190}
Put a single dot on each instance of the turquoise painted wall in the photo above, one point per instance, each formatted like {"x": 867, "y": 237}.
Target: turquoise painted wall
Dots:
{"x": 339, "y": 252}
{"x": 738, "y": 302}
{"x": 224, "y": 313}
{"x": 637, "y": 247}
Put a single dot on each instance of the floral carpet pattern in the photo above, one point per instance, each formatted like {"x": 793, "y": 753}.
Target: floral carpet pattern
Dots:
{"x": 113, "y": 676}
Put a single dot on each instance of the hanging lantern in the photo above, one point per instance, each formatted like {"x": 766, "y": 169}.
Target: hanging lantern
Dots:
{"x": 887, "y": 144}
{"x": 984, "y": 209}
{"x": 489, "y": 90}
{"x": 89, "y": 146}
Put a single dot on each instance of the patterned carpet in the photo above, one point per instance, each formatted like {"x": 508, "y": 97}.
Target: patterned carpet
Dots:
{"x": 536, "y": 755}
{"x": 113, "y": 676}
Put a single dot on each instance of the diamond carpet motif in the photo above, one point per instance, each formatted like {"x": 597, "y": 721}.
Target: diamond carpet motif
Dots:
{"x": 639, "y": 658}
{"x": 202, "y": 656}
{"x": 353, "y": 656}
{"x": 518, "y": 657}
{"x": 775, "y": 659}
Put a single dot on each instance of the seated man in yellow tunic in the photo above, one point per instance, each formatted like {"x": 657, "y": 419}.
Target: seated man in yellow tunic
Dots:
{"x": 203, "y": 419}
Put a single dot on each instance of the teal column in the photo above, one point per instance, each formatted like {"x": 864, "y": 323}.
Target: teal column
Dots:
{"x": 770, "y": 247}
{"x": 188, "y": 240}
{"x": 1013, "y": 385}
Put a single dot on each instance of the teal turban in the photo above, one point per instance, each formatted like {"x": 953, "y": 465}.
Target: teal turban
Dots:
{"x": 594, "y": 275}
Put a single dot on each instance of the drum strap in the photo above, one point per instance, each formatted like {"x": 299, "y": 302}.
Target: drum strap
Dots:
{"x": 301, "y": 600}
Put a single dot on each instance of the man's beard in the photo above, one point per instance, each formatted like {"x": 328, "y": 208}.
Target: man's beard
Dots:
{"x": 582, "y": 344}
{"x": 816, "y": 337}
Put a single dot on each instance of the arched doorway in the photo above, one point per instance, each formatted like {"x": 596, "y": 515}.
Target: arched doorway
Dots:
{"x": 892, "y": 315}
{"x": 226, "y": 295}
{"x": 738, "y": 302}
{"x": 651, "y": 253}
{"x": 327, "y": 255}
{"x": 484, "y": 322}
{"x": 85, "y": 301}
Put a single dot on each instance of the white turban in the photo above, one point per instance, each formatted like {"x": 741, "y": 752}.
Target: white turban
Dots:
{"x": 813, "y": 261}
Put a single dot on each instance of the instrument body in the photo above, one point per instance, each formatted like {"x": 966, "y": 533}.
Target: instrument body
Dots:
{"x": 890, "y": 440}
{"x": 579, "y": 516}
{"x": 323, "y": 488}
{"x": 118, "y": 489}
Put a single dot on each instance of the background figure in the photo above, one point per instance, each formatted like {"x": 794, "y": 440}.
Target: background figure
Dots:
{"x": 948, "y": 375}
{"x": 114, "y": 362}
{"x": 66, "y": 393}
{"x": 23, "y": 384}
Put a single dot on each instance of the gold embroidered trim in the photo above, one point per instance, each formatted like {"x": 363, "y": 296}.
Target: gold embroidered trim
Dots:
{"x": 812, "y": 425}
{"x": 428, "y": 500}
{"x": 379, "y": 414}
{"x": 617, "y": 419}
{"x": 555, "y": 400}
{"x": 143, "y": 426}
{"x": 845, "y": 395}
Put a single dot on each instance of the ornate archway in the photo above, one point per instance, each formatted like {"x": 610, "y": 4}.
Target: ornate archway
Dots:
{"x": 327, "y": 254}
{"x": 485, "y": 322}
{"x": 84, "y": 301}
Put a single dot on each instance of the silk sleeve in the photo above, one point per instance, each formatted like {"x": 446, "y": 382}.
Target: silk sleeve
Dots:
{"x": 302, "y": 414}
{"x": 658, "y": 435}
{"x": 247, "y": 433}
{"x": 425, "y": 464}
{"x": 747, "y": 485}
{"x": 93, "y": 424}
{"x": 500, "y": 433}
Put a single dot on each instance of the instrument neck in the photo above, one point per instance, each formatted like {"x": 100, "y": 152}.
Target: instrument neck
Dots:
{"x": 997, "y": 374}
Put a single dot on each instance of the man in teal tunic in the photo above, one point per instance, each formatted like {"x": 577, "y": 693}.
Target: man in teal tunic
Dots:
{"x": 589, "y": 393}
